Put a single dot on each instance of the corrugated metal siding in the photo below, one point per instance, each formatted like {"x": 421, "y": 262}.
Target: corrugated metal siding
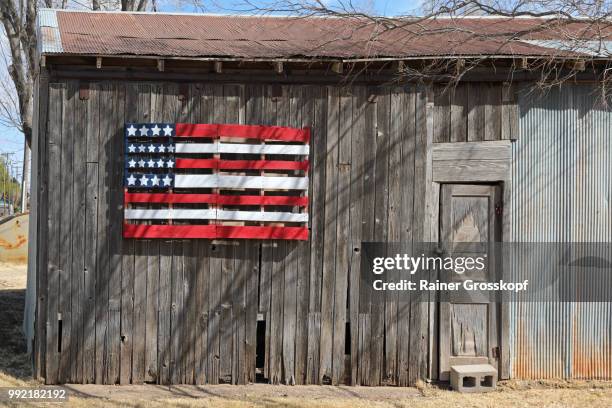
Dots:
{"x": 562, "y": 185}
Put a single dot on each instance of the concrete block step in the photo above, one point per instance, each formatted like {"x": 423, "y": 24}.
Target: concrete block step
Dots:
{"x": 473, "y": 378}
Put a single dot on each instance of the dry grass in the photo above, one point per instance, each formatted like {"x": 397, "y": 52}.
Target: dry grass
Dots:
{"x": 15, "y": 371}
{"x": 545, "y": 398}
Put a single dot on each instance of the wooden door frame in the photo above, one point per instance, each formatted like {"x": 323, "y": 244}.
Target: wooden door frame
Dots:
{"x": 487, "y": 162}
{"x": 492, "y": 191}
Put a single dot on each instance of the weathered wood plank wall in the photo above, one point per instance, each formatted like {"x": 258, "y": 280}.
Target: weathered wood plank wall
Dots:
{"x": 474, "y": 112}
{"x": 112, "y": 310}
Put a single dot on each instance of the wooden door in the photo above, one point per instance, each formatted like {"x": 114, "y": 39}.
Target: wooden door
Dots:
{"x": 468, "y": 331}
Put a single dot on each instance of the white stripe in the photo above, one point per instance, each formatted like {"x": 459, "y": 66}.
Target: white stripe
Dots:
{"x": 222, "y": 181}
{"x": 193, "y": 214}
{"x": 263, "y": 148}
{"x": 284, "y": 183}
{"x": 213, "y": 181}
{"x": 261, "y": 216}
{"x": 195, "y": 148}
{"x": 242, "y": 148}
{"x": 165, "y": 214}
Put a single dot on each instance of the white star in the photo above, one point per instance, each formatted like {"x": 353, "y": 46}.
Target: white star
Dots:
{"x": 144, "y": 180}
{"x": 155, "y": 180}
{"x": 131, "y": 180}
{"x": 167, "y": 130}
{"x": 131, "y": 130}
{"x": 156, "y": 130}
{"x": 132, "y": 163}
{"x": 162, "y": 148}
{"x": 170, "y": 163}
{"x": 141, "y": 163}
{"x": 167, "y": 180}
{"x": 160, "y": 163}
{"x": 170, "y": 148}
{"x": 144, "y": 131}
{"x": 132, "y": 148}
{"x": 151, "y": 163}
{"x": 141, "y": 148}
{"x": 151, "y": 148}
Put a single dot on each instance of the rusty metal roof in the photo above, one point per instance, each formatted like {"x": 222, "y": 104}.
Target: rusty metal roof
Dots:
{"x": 273, "y": 37}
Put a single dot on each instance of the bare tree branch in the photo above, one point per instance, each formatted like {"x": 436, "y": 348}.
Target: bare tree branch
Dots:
{"x": 18, "y": 34}
{"x": 581, "y": 30}
{"x": 142, "y": 5}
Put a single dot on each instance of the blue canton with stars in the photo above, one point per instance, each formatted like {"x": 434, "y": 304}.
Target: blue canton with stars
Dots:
{"x": 149, "y": 155}
{"x": 133, "y": 130}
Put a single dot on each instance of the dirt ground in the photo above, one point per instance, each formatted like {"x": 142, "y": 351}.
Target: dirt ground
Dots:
{"x": 15, "y": 372}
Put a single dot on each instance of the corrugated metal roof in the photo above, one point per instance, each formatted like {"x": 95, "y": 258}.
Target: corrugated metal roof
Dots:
{"x": 593, "y": 48}
{"x": 199, "y": 35}
{"x": 49, "y": 34}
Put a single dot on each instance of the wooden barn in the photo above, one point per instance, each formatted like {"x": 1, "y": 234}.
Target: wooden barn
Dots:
{"x": 344, "y": 149}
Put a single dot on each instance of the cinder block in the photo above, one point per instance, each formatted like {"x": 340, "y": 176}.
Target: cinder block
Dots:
{"x": 473, "y": 378}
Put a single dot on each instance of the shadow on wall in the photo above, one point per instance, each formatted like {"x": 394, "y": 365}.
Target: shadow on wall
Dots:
{"x": 132, "y": 311}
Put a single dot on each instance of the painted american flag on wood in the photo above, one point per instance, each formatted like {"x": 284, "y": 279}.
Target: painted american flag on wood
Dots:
{"x": 215, "y": 181}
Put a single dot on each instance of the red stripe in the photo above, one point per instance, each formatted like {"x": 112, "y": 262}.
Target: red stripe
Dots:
{"x": 196, "y": 163}
{"x": 195, "y": 130}
{"x": 297, "y": 233}
{"x": 213, "y": 231}
{"x": 243, "y": 131}
{"x": 262, "y": 200}
{"x": 241, "y": 164}
{"x": 265, "y": 132}
{"x": 169, "y": 231}
{"x": 263, "y": 165}
{"x": 175, "y": 198}
{"x": 170, "y": 198}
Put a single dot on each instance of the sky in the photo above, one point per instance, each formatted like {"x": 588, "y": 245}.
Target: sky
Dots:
{"x": 11, "y": 140}
{"x": 377, "y": 7}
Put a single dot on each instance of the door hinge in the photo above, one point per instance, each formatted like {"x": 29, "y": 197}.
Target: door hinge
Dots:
{"x": 499, "y": 209}
{"x": 495, "y": 352}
